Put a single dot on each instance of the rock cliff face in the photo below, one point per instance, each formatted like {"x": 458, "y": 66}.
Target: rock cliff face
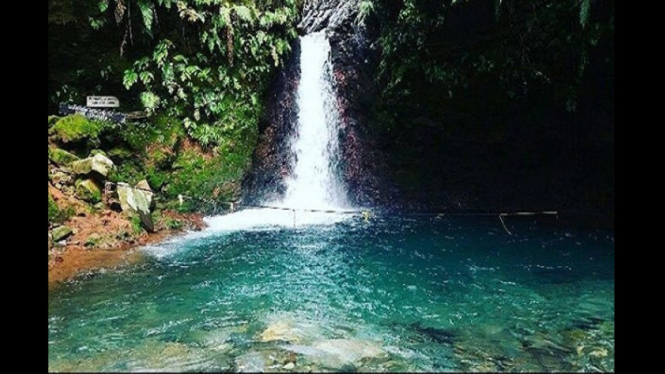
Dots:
{"x": 327, "y": 14}
{"x": 271, "y": 160}
{"x": 353, "y": 62}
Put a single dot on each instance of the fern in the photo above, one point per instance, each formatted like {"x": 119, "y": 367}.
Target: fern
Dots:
{"x": 146, "y": 77}
{"x": 130, "y": 77}
{"x": 585, "y": 7}
{"x": 216, "y": 62}
{"x": 365, "y": 8}
{"x": 147, "y": 15}
{"x": 150, "y": 101}
{"x": 103, "y": 5}
{"x": 244, "y": 13}
{"x": 161, "y": 52}
{"x": 224, "y": 16}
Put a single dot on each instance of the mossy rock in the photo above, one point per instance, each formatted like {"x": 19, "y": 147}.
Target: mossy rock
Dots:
{"x": 89, "y": 191}
{"x": 60, "y": 233}
{"x": 56, "y": 214}
{"x": 75, "y": 128}
{"x": 60, "y": 177}
{"x": 53, "y": 209}
{"x": 98, "y": 152}
{"x": 61, "y": 157}
{"x": 52, "y": 120}
{"x": 98, "y": 163}
{"x": 93, "y": 240}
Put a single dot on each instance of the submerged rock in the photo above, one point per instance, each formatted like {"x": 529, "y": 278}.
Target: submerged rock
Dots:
{"x": 254, "y": 362}
{"x": 218, "y": 339}
{"x": 441, "y": 336}
{"x": 61, "y": 233}
{"x": 280, "y": 331}
{"x": 341, "y": 353}
{"x": 98, "y": 163}
{"x": 351, "y": 350}
{"x": 600, "y": 352}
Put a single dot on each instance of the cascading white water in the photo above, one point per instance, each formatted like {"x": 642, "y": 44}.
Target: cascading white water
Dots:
{"x": 314, "y": 183}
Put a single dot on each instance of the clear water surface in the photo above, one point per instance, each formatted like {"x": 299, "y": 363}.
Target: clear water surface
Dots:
{"x": 391, "y": 294}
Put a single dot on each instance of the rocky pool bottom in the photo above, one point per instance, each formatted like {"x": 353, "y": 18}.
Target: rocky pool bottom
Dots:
{"x": 391, "y": 294}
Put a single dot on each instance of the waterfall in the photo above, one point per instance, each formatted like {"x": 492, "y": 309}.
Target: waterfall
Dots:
{"x": 314, "y": 183}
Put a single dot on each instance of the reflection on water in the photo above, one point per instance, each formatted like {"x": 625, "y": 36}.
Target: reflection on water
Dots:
{"x": 389, "y": 295}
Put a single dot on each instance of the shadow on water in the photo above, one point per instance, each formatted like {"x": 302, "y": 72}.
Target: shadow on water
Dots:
{"x": 437, "y": 335}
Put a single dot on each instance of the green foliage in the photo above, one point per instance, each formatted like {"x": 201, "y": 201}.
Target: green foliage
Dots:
{"x": 76, "y": 128}
{"x": 585, "y": 8}
{"x": 147, "y": 14}
{"x": 93, "y": 240}
{"x": 156, "y": 178}
{"x": 129, "y": 171}
{"x": 211, "y": 74}
{"x": 52, "y": 208}
{"x": 527, "y": 48}
{"x": 137, "y": 226}
{"x": 199, "y": 68}
{"x": 150, "y": 101}
{"x": 171, "y": 224}
{"x": 120, "y": 153}
{"x": 57, "y": 215}
{"x": 365, "y": 8}
{"x": 204, "y": 178}
{"x": 97, "y": 152}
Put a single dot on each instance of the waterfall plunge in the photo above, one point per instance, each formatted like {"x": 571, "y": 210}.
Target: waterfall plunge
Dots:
{"x": 313, "y": 183}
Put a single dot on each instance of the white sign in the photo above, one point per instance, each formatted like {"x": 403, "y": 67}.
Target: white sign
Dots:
{"x": 102, "y": 102}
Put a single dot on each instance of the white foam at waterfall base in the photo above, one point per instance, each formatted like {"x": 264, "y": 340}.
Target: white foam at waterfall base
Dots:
{"x": 314, "y": 183}
{"x": 247, "y": 220}
{"x": 270, "y": 218}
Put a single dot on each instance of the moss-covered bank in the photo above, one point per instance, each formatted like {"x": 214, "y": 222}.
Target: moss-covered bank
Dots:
{"x": 155, "y": 152}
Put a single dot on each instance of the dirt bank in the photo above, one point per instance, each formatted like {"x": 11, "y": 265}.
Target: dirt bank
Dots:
{"x": 108, "y": 239}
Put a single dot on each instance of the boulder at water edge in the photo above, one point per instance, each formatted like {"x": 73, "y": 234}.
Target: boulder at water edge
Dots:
{"x": 138, "y": 200}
